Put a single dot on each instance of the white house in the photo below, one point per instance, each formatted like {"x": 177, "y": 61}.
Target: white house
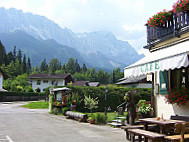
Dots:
{"x": 2, "y": 76}
{"x": 142, "y": 81}
{"x": 41, "y": 81}
{"x": 168, "y": 62}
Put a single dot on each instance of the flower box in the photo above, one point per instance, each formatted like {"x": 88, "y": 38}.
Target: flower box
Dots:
{"x": 178, "y": 96}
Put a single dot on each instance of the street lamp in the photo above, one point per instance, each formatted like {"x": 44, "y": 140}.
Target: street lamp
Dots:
{"x": 106, "y": 91}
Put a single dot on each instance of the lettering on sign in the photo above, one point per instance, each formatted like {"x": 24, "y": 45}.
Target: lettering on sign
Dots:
{"x": 150, "y": 67}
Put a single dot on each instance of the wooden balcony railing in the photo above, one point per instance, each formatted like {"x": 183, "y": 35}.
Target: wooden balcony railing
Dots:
{"x": 177, "y": 22}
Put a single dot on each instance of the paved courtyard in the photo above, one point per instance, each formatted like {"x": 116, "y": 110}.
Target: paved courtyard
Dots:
{"x": 19, "y": 124}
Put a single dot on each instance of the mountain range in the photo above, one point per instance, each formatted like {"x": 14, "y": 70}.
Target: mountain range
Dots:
{"x": 39, "y": 38}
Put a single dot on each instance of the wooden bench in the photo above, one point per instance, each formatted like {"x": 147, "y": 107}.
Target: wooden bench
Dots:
{"x": 135, "y": 127}
{"x": 151, "y": 136}
{"x": 180, "y": 117}
{"x": 180, "y": 128}
{"x": 131, "y": 127}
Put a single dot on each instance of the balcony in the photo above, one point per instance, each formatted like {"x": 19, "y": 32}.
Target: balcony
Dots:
{"x": 174, "y": 27}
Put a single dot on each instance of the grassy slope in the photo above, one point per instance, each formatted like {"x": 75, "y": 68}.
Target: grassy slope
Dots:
{"x": 37, "y": 105}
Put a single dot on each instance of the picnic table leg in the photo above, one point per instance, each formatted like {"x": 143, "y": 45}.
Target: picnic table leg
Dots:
{"x": 162, "y": 130}
{"x": 132, "y": 137}
{"x": 139, "y": 138}
{"x": 127, "y": 135}
{"x": 145, "y": 128}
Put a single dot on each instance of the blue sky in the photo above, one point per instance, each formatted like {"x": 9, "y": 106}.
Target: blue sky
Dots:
{"x": 124, "y": 18}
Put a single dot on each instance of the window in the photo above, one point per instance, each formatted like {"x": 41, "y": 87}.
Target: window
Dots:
{"x": 180, "y": 77}
{"x": 54, "y": 82}
{"x": 38, "y": 90}
{"x": 58, "y": 96}
{"x": 38, "y": 82}
{"x": 44, "y": 90}
{"x": 45, "y": 81}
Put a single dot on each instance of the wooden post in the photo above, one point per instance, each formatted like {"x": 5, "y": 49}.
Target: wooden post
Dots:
{"x": 152, "y": 95}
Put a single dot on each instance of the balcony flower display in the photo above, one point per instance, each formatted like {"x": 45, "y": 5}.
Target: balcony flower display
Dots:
{"x": 178, "y": 96}
{"x": 159, "y": 19}
{"x": 181, "y": 5}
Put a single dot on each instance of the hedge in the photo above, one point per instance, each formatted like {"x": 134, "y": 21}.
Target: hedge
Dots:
{"x": 114, "y": 96}
{"x": 21, "y": 96}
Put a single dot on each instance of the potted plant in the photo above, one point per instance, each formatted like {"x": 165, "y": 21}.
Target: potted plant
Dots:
{"x": 178, "y": 96}
{"x": 144, "y": 108}
{"x": 57, "y": 103}
{"x": 159, "y": 19}
{"x": 92, "y": 119}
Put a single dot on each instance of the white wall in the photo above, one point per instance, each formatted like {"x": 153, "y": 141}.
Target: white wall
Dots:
{"x": 139, "y": 85}
{"x": 61, "y": 82}
{"x": 1, "y": 80}
{"x": 168, "y": 109}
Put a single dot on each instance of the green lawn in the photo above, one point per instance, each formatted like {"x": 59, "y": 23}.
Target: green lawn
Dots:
{"x": 37, "y": 105}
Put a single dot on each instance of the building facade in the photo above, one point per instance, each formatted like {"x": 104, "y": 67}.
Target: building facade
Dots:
{"x": 40, "y": 82}
{"x": 168, "y": 62}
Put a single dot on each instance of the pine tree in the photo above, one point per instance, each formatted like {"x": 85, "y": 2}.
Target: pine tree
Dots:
{"x": 70, "y": 66}
{"x": 10, "y": 57}
{"x": 77, "y": 67}
{"x": 3, "y": 59}
{"x": 19, "y": 56}
{"x": 28, "y": 66}
{"x": 84, "y": 68}
{"x": 44, "y": 66}
{"x": 14, "y": 53}
{"x": 24, "y": 68}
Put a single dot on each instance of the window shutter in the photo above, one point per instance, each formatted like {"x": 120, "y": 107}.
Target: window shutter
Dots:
{"x": 164, "y": 82}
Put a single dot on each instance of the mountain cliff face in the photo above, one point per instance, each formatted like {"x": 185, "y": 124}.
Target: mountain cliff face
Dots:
{"x": 96, "y": 49}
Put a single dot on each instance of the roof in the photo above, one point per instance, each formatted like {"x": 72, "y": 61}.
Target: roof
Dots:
{"x": 3, "y": 90}
{"x": 48, "y": 76}
{"x": 61, "y": 89}
{"x": 160, "y": 60}
{"x": 80, "y": 83}
{"x": 132, "y": 80}
{"x": 94, "y": 84}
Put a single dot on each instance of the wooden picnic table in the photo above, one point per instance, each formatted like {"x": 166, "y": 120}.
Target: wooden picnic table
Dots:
{"x": 163, "y": 124}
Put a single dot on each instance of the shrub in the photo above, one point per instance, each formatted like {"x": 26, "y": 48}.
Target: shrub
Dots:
{"x": 56, "y": 111}
{"x": 65, "y": 109}
{"x": 101, "y": 118}
{"x": 114, "y": 96}
{"x": 20, "y": 89}
{"x": 29, "y": 89}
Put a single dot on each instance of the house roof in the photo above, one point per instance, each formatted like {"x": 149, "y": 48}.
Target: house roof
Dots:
{"x": 80, "y": 83}
{"x": 132, "y": 80}
{"x": 94, "y": 84}
{"x": 61, "y": 89}
{"x": 3, "y": 90}
{"x": 48, "y": 76}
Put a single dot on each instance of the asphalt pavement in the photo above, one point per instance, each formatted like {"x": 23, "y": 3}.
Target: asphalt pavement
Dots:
{"x": 18, "y": 124}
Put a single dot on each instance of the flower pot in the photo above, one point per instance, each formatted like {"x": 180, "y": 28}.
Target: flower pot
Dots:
{"x": 92, "y": 121}
{"x": 145, "y": 115}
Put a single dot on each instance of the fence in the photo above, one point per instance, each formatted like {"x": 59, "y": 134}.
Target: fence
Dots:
{"x": 22, "y": 96}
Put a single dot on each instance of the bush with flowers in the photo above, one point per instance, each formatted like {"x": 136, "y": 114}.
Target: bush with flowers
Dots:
{"x": 144, "y": 106}
{"x": 180, "y": 5}
{"x": 159, "y": 19}
{"x": 178, "y": 96}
